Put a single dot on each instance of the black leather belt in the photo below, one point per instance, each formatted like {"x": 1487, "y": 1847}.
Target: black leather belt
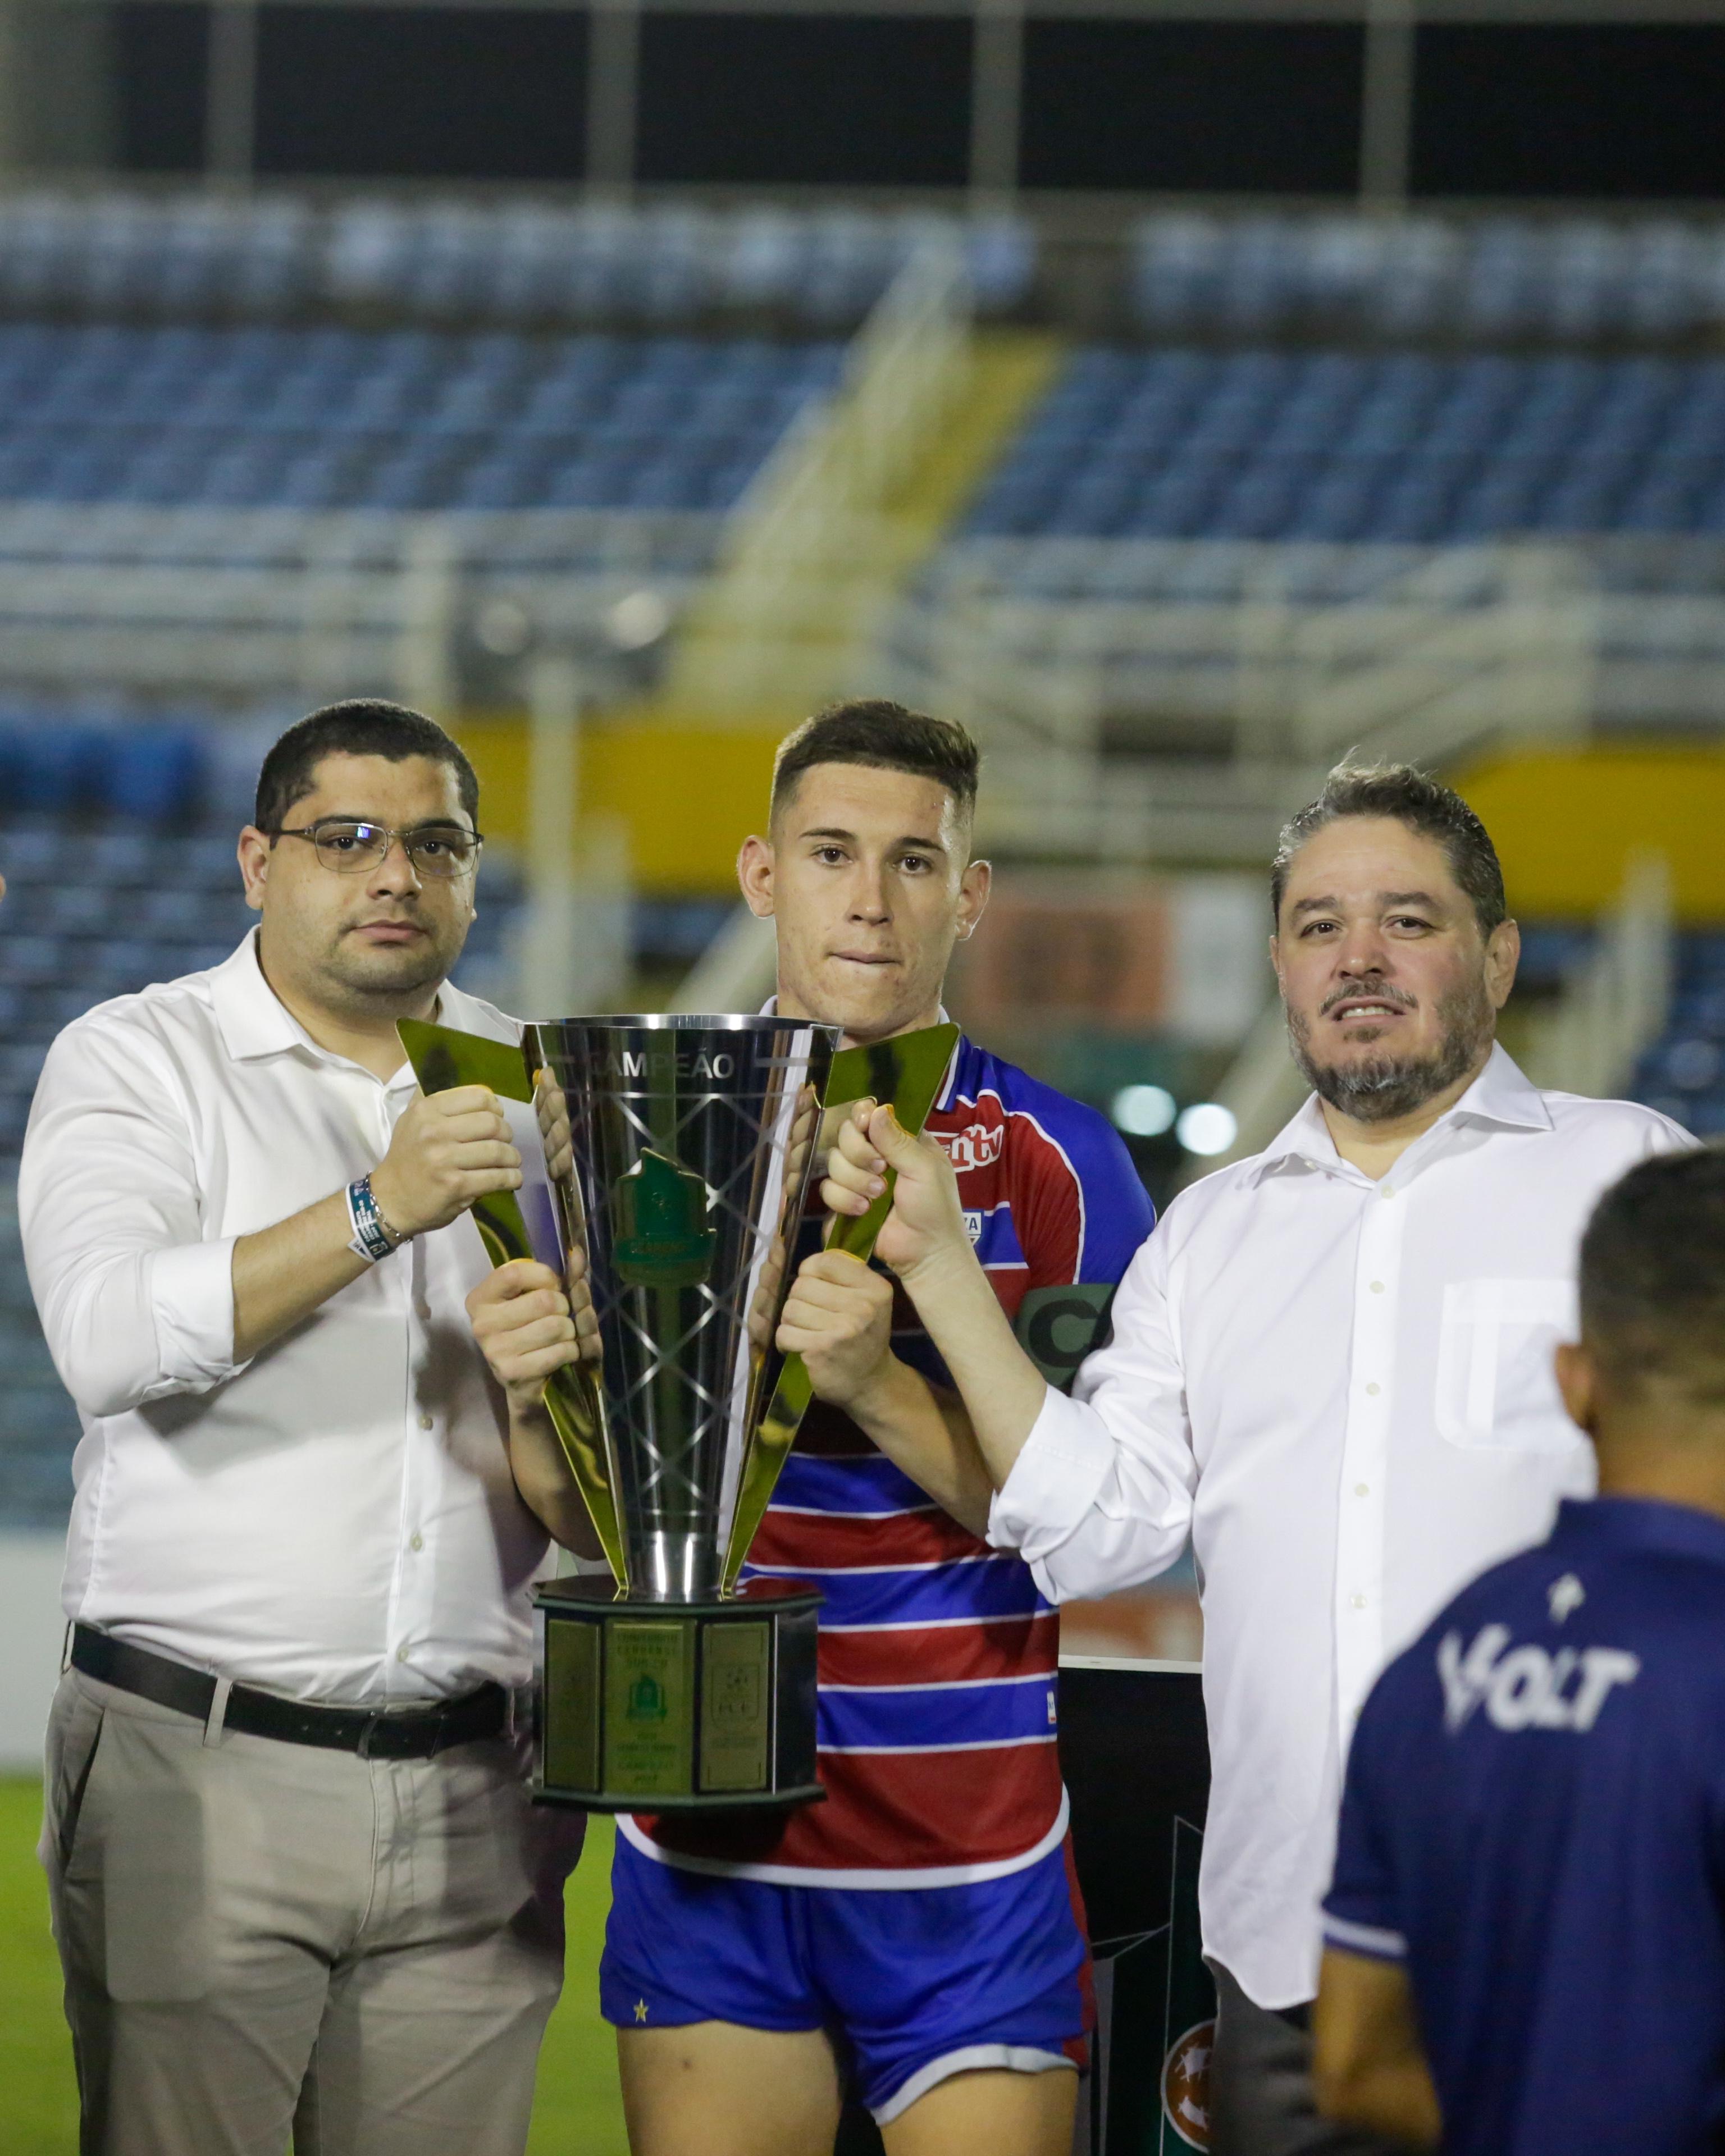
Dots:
{"x": 398, "y": 1733}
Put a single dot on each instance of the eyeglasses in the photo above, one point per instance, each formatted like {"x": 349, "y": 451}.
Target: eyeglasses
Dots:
{"x": 439, "y": 851}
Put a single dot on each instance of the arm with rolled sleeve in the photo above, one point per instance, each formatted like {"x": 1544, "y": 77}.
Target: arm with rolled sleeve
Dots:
{"x": 135, "y": 1303}
{"x": 1099, "y": 1498}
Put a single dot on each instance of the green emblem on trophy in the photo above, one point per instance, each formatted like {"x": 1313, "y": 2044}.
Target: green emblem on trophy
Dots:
{"x": 646, "y": 1701}
{"x": 663, "y": 1238}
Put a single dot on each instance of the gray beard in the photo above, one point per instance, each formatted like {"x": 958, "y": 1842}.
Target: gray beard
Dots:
{"x": 1382, "y": 1089}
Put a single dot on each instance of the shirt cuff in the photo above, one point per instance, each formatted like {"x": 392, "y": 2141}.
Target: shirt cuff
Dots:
{"x": 192, "y": 1302}
{"x": 1055, "y": 1481}
{"x": 1376, "y": 1942}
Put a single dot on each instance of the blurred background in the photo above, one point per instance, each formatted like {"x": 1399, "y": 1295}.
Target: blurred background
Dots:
{"x": 1181, "y": 393}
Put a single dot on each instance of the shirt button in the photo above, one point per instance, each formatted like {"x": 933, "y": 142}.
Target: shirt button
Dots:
{"x": 426, "y": 1422}
{"x": 401, "y": 1654}
{"x": 1373, "y": 1389}
{"x": 418, "y": 1543}
{"x": 1384, "y": 1193}
{"x": 1360, "y": 1490}
{"x": 1377, "y": 1287}
{"x": 1357, "y": 1600}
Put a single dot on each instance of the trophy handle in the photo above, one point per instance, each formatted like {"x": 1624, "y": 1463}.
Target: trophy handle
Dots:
{"x": 905, "y": 1071}
{"x": 442, "y": 1057}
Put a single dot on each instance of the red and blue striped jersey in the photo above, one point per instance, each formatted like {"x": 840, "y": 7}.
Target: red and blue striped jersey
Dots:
{"x": 938, "y": 1657}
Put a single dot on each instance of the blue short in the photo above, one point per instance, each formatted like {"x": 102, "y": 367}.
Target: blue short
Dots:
{"x": 913, "y": 1983}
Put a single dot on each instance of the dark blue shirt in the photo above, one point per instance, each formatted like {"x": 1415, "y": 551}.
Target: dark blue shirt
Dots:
{"x": 1534, "y": 1822}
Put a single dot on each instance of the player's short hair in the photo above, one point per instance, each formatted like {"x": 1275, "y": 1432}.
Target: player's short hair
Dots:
{"x": 1653, "y": 1274}
{"x": 868, "y": 730}
{"x": 360, "y": 726}
{"x": 1423, "y": 804}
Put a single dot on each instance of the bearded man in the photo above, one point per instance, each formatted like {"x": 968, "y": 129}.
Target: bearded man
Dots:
{"x": 1331, "y": 1365}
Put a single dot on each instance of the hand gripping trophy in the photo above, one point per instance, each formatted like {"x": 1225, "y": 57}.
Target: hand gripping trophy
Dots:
{"x": 666, "y": 1166}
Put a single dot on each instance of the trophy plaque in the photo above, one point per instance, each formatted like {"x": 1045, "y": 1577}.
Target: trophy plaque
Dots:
{"x": 666, "y": 1165}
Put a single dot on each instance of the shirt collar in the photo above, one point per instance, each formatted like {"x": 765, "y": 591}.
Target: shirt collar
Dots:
{"x": 251, "y": 1018}
{"x": 254, "y": 1021}
{"x": 1502, "y": 1096}
{"x": 1648, "y": 1523}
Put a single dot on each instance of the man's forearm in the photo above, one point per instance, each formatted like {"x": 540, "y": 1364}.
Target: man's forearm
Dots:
{"x": 1389, "y": 2096}
{"x": 282, "y": 1274}
{"x": 1002, "y": 1390}
{"x": 928, "y": 1433}
{"x": 1368, "y": 2064}
{"x": 545, "y": 1481}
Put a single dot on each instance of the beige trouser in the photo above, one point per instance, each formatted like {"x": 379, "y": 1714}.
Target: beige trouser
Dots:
{"x": 262, "y": 1938}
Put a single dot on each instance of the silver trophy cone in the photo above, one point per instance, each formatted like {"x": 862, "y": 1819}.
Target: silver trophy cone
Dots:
{"x": 690, "y": 1143}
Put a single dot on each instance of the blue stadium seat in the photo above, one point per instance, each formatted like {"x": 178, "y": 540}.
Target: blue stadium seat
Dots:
{"x": 1404, "y": 447}
{"x": 320, "y": 418}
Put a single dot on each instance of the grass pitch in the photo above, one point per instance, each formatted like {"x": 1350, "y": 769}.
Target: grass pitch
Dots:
{"x": 577, "y": 2110}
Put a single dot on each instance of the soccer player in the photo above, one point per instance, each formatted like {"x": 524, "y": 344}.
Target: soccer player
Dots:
{"x": 915, "y": 1935}
{"x": 1530, "y": 1882}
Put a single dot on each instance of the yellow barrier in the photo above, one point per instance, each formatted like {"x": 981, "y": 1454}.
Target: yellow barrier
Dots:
{"x": 1565, "y": 822}
{"x": 687, "y": 794}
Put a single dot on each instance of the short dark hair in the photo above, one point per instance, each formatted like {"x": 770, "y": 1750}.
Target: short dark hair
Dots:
{"x": 361, "y": 726}
{"x": 1413, "y": 797}
{"x": 868, "y": 729}
{"x": 1653, "y": 1274}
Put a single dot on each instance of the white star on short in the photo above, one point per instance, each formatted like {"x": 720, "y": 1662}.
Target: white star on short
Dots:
{"x": 640, "y": 2010}
{"x": 1564, "y": 1595}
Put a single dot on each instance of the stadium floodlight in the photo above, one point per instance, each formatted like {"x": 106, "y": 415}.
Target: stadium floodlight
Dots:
{"x": 1207, "y": 1128}
{"x": 638, "y": 619}
{"x": 1144, "y": 1112}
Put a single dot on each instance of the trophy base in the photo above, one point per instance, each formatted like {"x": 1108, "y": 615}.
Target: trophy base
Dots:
{"x": 660, "y": 1707}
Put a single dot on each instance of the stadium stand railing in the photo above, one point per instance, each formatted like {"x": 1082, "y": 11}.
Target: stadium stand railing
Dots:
{"x": 1197, "y": 571}
{"x": 806, "y": 563}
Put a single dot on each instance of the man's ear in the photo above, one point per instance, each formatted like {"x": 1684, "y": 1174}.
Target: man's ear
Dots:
{"x": 974, "y": 886}
{"x": 1275, "y": 964}
{"x": 1503, "y": 954}
{"x": 253, "y": 854}
{"x": 754, "y": 873}
{"x": 1579, "y": 1382}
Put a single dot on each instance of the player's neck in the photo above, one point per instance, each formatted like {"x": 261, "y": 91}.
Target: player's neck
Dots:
{"x": 789, "y": 1005}
{"x": 1676, "y": 1458}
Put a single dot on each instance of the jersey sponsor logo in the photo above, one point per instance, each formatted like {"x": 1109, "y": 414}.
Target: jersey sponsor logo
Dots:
{"x": 1186, "y": 2084}
{"x": 978, "y": 1145}
{"x": 1527, "y": 1688}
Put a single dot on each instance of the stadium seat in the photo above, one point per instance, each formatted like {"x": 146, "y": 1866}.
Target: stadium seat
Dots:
{"x": 1405, "y": 447}
{"x": 329, "y": 418}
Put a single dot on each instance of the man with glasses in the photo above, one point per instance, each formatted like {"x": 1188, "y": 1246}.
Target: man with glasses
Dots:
{"x": 297, "y": 1885}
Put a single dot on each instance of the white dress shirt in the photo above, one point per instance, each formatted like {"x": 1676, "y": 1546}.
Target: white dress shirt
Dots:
{"x": 1344, "y": 1390}
{"x": 335, "y": 1520}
